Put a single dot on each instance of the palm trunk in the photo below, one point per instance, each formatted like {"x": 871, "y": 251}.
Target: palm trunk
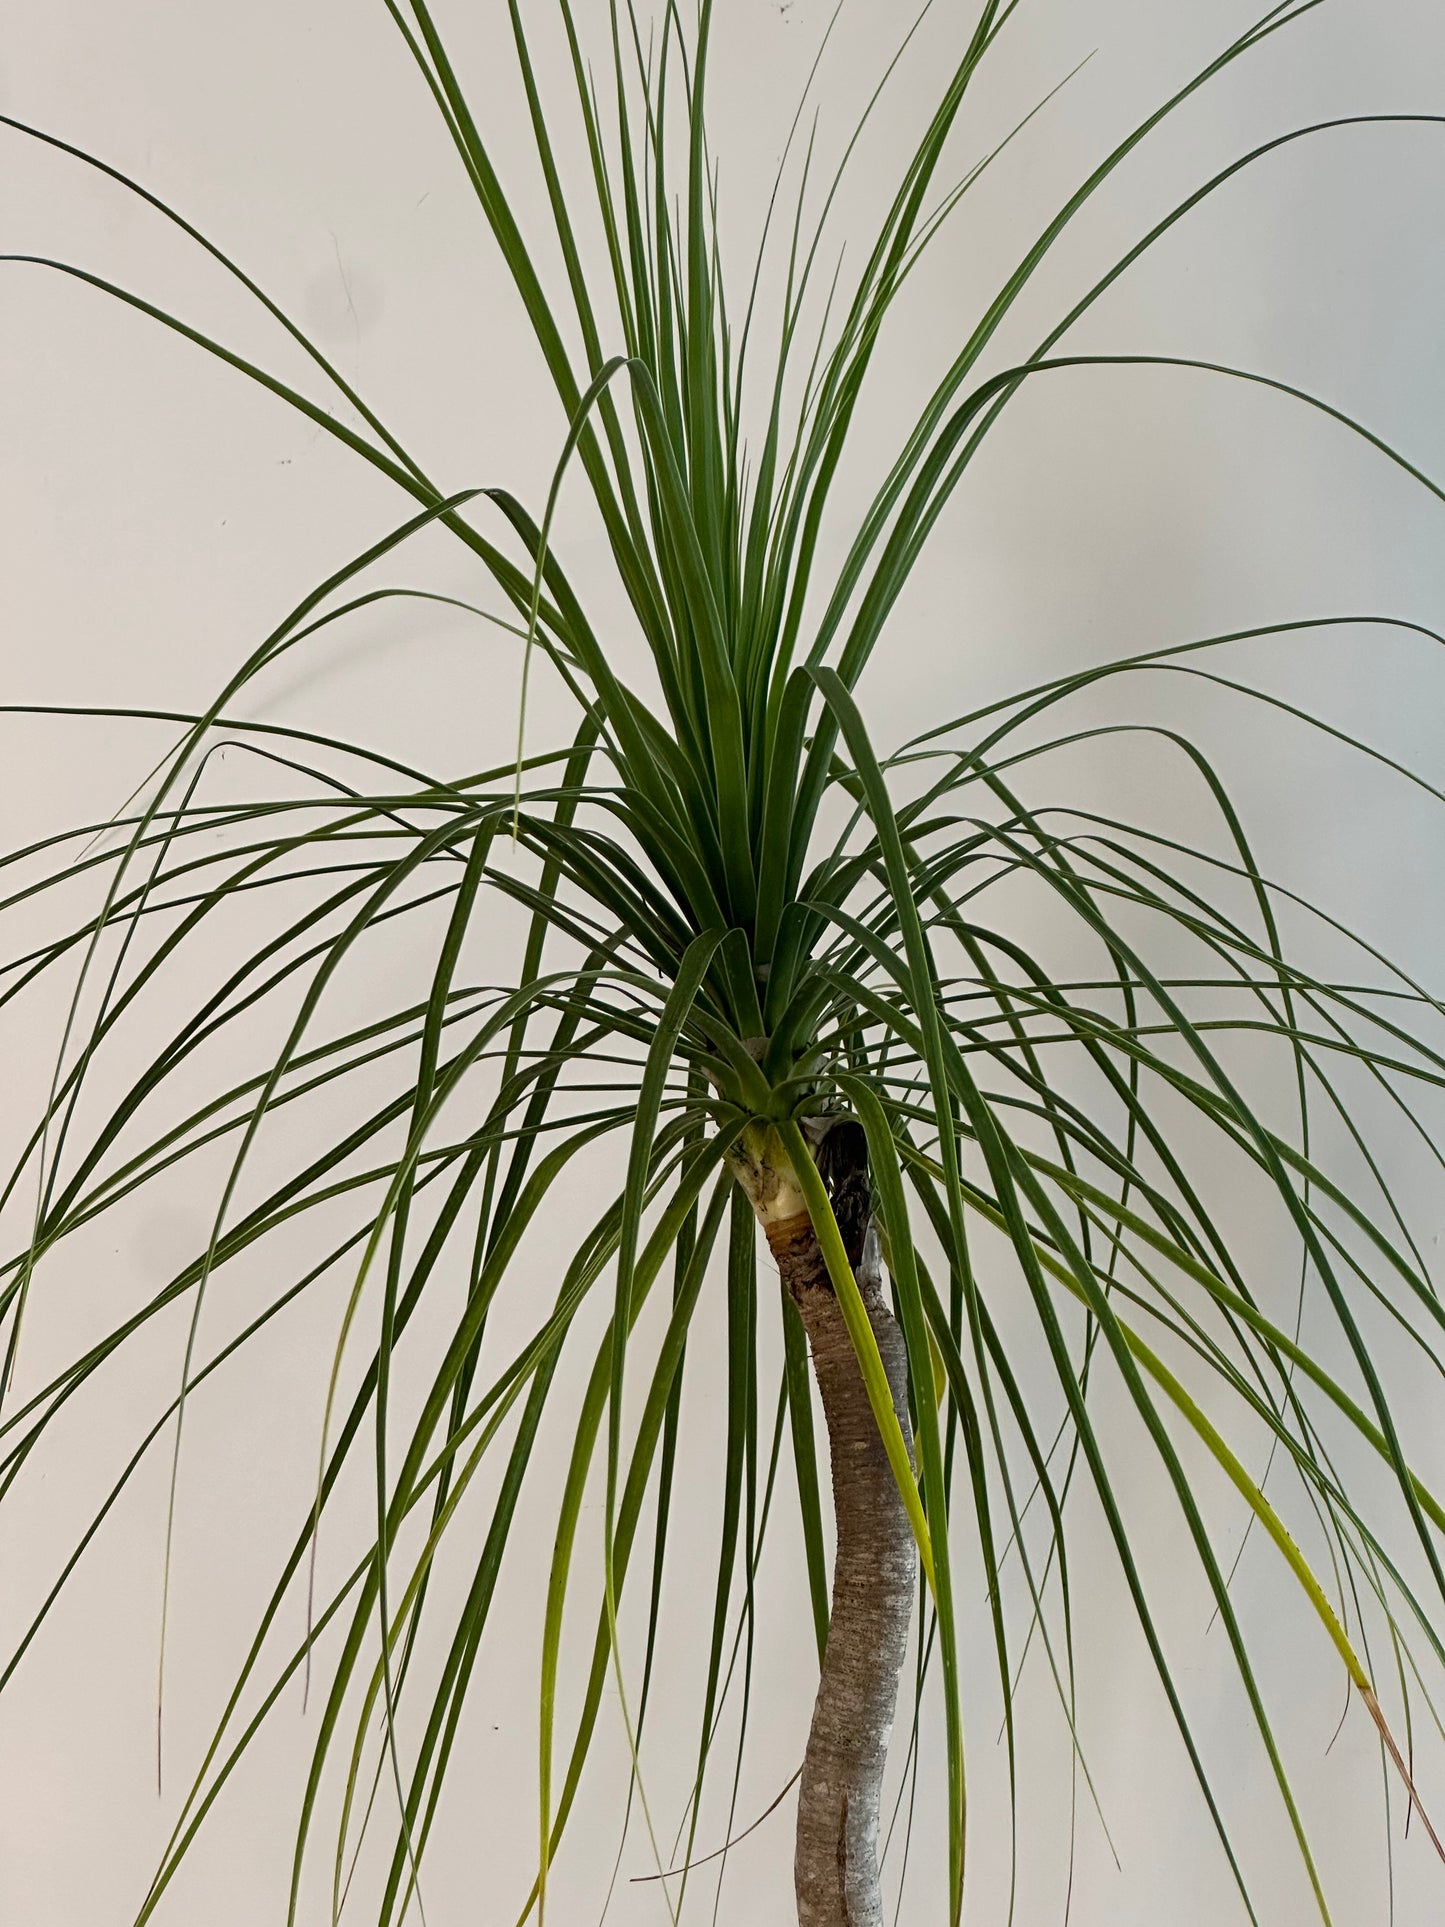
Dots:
{"x": 836, "y": 1859}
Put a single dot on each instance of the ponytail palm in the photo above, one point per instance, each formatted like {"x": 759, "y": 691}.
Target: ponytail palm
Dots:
{"x": 780, "y": 973}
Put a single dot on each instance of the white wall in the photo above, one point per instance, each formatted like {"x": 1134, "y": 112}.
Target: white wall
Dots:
{"x": 158, "y": 515}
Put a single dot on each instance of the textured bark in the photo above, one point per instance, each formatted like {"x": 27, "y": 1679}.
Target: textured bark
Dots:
{"x": 836, "y": 1859}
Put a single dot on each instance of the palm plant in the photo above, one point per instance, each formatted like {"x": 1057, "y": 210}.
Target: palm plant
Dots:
{"x": 760, "y": 959}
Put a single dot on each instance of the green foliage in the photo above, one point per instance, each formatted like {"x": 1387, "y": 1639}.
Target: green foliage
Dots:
{"x": 736, "y": 911}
